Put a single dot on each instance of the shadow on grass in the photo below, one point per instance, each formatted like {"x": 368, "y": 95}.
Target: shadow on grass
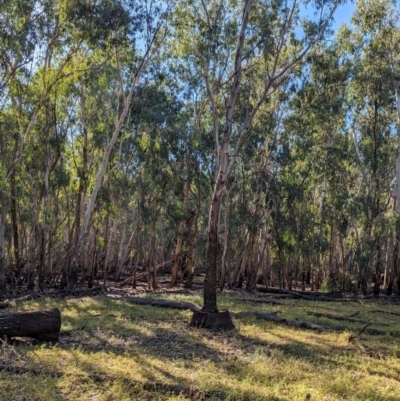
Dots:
{"x": 122, "y": 348}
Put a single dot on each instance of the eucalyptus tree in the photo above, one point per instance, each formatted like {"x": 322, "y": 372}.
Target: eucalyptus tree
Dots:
{"x": 316, "y": 168}
{"x": 50, "y": 53}
{"x": 31, "y": 33}
{"x": 156, "y": 125}
{"x": 245, "y": 50}
{"x": 371, "y": 44}
{"x": 148, "y": 26}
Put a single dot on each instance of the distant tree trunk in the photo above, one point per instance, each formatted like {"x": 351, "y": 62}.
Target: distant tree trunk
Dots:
{"x": 241, "y": 267}
{"x": 2, "y": 225}
{"x": 14, "y": 219}
{"x": 88, "y": 260}
{"x": 397, "y": 203}
{"x": 42, "y": 255}
{"x": 223, "y": 270}
{"x": 253, "y": 264}
{"x": 179, "y": 241}
{"x": 190, "y": 255}
{"x": 127, "y": 251}
{"x": 83, "y": 173}
{"x": 151, "y": 263}
{"x": 108, "y": 250}
{"x": 120, "y": 122}
{"x": 2, "y": 240}
{"x": 377, "y": 203}
{"x": 135, "y": 262}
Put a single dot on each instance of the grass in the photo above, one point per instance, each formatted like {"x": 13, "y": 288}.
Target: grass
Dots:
{"x": 113, "y": 350}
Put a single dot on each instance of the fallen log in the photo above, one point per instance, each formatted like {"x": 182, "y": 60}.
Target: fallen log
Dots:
{"x": 337, "y": 317}
{"x": 357, "y": 339}
{"x": 299, "y": 293}
{"x": 313, "y": 326}
{"x": 24, "y": 298}
{"x": 294, "y": 294}
{"x": 385, "y": 312}
{"x": 163, "y": 303}
{"x": 43, "y": 325}
{"x": 87, "y": 291}
{"x": 273, "y": 317}
{"x": 130, "y": 280}
{"x": 269, "y": 301}
{"x": 359, "y": 344}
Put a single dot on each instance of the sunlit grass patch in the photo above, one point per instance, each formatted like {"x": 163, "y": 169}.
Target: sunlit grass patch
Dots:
{"x": 115, "y": 350}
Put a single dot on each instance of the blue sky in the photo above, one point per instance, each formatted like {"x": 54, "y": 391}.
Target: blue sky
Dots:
{"x": 344, "y": 14}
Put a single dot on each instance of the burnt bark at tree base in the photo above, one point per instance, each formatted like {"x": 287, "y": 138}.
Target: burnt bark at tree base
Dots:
{"x": 213, "y": 321}
{"x": 42, "y": 325}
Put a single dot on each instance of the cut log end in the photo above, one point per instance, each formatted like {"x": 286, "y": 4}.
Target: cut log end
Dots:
{"x": 213, "y": 321}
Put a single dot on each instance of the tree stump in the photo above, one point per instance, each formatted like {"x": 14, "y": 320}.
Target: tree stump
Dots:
{"x": 43, "y": 325}
{"x": 214, "y": 321}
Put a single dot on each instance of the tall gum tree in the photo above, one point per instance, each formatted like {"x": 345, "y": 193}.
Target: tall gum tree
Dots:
{"x": 29, "y": 36}
{"x": 265, "y": 53}
{"x": 151, "y": 33}
{"x": 372, "y": 45}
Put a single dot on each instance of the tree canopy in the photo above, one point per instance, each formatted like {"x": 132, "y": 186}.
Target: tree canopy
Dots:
{"x": 236, "y": 139}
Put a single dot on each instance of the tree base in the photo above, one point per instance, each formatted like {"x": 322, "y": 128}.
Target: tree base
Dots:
{"x": 213, "y": 321}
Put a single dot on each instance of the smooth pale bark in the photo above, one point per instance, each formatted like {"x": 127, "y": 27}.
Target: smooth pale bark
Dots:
{"x": 102, "y": 170}
{"x": 44, "y": 221}
{"x": 89, "y": 258}
{"x": 397, "y": 203}
{"x": 152, "y": 268}
{"x": 2, "y": 243}
{"x": 14, "y": 219}
{"x": 226, "y": 161}
{"x": 2, "y": 227}
{"x": 109, "y": 249}
{"x": 397, "y": 208}
{"x": 191, "y": 254}
{"x": 120, "y": 122}
{"x": 177, "y": 255}
{"x": 83, "y": 178}
{"x": 210, "y": 290}
{"x": 179, "y": 241}
{"x": 127, "y": 251}
{"x": 360, "y": 161}
{"x": 223, "y": 271}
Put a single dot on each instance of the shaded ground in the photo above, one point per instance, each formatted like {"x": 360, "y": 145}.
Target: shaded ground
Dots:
{"x": 113, "y": 350}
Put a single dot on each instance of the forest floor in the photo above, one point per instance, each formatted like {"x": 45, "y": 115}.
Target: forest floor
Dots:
{"x": 110, "y": 349}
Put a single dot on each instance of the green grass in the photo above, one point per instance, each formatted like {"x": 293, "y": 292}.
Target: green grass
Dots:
{"x": 129, "y": 347}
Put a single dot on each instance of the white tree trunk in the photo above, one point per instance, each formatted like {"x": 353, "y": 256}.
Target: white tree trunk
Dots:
{"x": 397, "y": 208}
{"x": 2, "y": 243}
{"x": 128, "y": 249}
